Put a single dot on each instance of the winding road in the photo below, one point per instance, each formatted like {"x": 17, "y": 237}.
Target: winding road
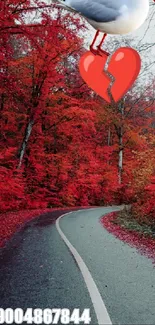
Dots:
{"x": 73, "y": 262}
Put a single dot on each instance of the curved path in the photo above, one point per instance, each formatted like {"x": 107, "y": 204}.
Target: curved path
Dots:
{"x": 38, "y": 270}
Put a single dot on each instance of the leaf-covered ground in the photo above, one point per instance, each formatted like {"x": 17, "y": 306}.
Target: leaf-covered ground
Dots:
{"x": 141, "y": 240}
{"x": 12, "y": 221}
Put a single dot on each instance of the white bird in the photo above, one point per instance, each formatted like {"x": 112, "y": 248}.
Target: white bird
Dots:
{"x": 111, "y": 16}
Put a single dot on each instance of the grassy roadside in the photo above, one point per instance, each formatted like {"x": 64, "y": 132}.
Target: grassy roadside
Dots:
{"x": 128, "y": 221}
{"x": 126, "y": 228}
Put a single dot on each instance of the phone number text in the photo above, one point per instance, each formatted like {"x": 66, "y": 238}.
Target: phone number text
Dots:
{"x": 44, "y": 316}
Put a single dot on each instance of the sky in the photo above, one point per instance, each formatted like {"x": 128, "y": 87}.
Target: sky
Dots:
{"x": 143, "y": 40}
{"x": 138, "y": 39}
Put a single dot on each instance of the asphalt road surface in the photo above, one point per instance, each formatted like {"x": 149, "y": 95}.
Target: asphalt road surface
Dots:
{"x": 38, "y": 270}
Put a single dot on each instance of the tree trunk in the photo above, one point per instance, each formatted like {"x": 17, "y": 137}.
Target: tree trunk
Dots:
{"x": 120, "y": 159}
{"x": 109, "y": 136}
{"x": 2, "y": 102}
{"x": 24, "y": 143}
{"x": 120, "y": 135}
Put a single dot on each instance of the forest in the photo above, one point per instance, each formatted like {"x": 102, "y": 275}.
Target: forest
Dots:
{"x": 61, "y": 145}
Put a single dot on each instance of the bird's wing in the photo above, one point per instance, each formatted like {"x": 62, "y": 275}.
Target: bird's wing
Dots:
{"x": 98, "y": 10}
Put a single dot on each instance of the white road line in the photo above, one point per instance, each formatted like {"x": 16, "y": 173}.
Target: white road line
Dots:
{"x": 99, "y": 306}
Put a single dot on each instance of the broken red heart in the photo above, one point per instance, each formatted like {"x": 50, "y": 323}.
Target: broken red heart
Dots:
{"x": 124, "y": 66}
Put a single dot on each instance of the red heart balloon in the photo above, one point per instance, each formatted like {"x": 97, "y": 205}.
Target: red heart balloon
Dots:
{"x": 124, "y": 66}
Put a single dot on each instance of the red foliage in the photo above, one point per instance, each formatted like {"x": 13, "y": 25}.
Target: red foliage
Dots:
{"x": 59, "y": 143}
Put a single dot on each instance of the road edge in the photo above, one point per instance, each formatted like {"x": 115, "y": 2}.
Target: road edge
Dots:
{"x": 97, "y": 301}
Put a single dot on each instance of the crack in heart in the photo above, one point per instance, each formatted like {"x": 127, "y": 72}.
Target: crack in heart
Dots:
{"x": 113, "y": 79}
